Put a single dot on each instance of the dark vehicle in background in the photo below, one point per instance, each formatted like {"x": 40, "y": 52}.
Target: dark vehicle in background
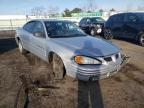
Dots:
{"x": 92, "y": 25}
{"x": 125, "y": 25}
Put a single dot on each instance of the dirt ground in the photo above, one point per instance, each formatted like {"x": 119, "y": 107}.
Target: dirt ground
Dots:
{"x": 123, "y": 90}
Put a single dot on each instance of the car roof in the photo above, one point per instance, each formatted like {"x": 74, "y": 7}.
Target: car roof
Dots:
{"x": 44, "y": 20}
{"x": 91, "y": 17}
{"x": 127, "y": 13}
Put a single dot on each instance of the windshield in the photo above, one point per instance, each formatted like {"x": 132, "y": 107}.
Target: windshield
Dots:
{"x": 98, "y": 20}
{"x": 140, "y": 15}
{"x": 58, "y": 29}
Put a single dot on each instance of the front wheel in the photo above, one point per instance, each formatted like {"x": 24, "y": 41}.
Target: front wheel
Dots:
{"x": 108, "y": 34}
{"x": 141, "y": 40}
{"x": 58, "y": 67}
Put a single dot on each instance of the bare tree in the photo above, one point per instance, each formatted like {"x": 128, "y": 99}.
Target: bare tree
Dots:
{"x": 112, "y": 10}
{"x": 53, "y": 10}
{"x": 84, "y": 9}
{"x": 38, "y": 11}
{"x": 91, "y": 6}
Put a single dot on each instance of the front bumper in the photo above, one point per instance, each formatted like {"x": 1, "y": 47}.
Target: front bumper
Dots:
{"x": 98, "y": 75}
{"x": 93, "y": 73}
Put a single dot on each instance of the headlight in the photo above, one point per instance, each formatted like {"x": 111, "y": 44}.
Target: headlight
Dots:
{"x": 86, "y": 60}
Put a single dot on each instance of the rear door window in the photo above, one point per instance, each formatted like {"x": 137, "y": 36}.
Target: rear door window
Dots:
{"x": 29, "y": 26}
{"x": 38, "y": 28}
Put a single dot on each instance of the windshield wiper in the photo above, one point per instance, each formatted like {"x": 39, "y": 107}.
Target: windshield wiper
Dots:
{"x": 76, "y": 35}
{"x": 58, "y": 36}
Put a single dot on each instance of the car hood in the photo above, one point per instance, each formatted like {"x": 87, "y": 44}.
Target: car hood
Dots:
{"x": 88, "y": 46}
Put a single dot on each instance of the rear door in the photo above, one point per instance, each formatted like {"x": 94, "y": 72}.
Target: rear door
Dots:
{"x": 117, "y": 25}
{"x": 38, "y": 43}
{"x": 131, "y": 28}
{"x": 26, "y": 33}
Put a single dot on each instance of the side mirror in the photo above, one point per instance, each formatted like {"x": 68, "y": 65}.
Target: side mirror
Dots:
{"x": 39, "y": 34}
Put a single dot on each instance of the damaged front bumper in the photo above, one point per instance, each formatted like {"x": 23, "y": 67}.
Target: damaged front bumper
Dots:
{"x": 93, "y": 73}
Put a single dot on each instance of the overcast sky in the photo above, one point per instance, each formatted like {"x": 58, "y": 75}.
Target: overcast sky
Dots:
{"x": 24, "y": 6}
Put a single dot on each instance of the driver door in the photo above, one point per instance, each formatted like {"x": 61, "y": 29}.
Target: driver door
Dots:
{"x": 38, "y": 40}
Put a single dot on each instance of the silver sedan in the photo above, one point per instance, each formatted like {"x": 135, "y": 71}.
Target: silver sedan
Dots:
{"x": 69, "y": 49}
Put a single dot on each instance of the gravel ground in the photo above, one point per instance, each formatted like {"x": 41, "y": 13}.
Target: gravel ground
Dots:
{"x": 18, "y": 72}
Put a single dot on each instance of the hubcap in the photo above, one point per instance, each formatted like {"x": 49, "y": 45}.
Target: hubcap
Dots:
{"x": 107, "y": 34}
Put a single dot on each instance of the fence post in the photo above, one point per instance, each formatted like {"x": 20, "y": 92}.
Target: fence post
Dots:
{"x": 11, "y": 24}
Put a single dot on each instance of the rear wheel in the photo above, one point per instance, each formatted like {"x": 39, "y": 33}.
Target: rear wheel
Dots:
{"x": 107, "y": 34}
{"x": 21, "y": 49}
{"x": 141, "y": 40}
{"x": 58, "y": 67}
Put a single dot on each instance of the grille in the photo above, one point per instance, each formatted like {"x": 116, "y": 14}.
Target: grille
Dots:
{"x": 108, "y": 59}
{"x": 117, "y": 56}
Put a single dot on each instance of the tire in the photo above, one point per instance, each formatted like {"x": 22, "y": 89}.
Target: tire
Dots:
{"x": 141, "y": 40}
{"x": 107, "y": 34}
{"x": 21, "y": 49}
{"x": 58, "y": 67}
{"x": 92, "y": 32}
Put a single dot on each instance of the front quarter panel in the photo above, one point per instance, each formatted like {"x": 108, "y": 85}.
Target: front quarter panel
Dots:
{"x": 65, "y": 53}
